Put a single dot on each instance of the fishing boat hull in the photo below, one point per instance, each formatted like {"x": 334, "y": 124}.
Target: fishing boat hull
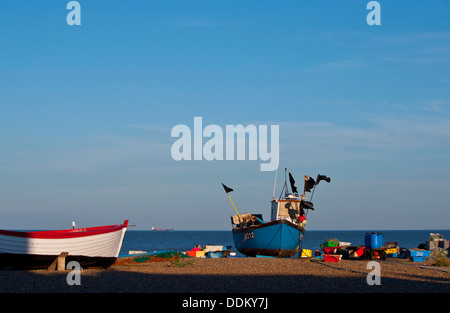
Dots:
{"x": 279, "y": 238}
{"x": 90, "y": 247}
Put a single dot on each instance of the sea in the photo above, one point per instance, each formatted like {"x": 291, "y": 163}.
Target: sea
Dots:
{"x": 150, "y": 241}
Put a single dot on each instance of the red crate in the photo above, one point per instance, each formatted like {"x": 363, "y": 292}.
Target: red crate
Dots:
{"x": 191, "y": 253}
{"x": 330, "y": 250}
{"x": 331, "y": 257}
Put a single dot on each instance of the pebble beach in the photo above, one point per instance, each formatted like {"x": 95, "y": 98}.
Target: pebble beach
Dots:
{"x": 235, "y": 275}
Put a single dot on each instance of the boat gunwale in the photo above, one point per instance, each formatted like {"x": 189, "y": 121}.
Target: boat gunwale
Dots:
{"x": 66, "y": 233}
{"x": 268, "y": 224}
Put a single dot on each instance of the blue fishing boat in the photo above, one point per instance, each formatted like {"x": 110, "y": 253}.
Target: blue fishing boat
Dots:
{"x": 282, "y": 235}
{"x": 277, "y": 238}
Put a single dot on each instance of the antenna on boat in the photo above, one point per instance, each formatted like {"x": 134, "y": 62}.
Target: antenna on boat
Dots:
{"x": 285, "y": 185}
{"x": 312, "y": 193}
{"x": 275, "y": 183}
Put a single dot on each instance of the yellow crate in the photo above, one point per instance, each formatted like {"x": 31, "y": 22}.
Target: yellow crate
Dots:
{"x": 306, "y": 253}
{"x": 391, "y": 250}
{"x": 199, "y": 254}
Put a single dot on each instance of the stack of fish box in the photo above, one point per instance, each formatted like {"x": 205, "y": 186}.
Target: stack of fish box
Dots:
{"x": 392, "y": 252}
{"x": 392, "y": 249}
{"x": 332, "y": 256}
{"x": 403, "y": 253}
{"x": 331, "y": 247}
{"x": 196, "y": 253}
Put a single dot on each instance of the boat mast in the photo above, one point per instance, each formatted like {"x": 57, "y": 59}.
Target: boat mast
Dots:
{"x": 274, "y": 184}
{"x": 285, "y": 184}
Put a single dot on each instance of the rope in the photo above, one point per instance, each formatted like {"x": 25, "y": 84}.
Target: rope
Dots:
{"x": 273, "y": 237}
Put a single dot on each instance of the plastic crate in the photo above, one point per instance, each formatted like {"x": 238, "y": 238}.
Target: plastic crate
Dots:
{"x": 196, "y": 254}
{"x": 417, "y": 258}
{"x": 392, "y": 255}
{"x": 306, "y": 253}
{"x": 331, "y": 257}
{"x": 327, "y": 244}
{"x": 419, "y": 253}
{"x": 330, "y": 250}
{"x": 391, "y": 250}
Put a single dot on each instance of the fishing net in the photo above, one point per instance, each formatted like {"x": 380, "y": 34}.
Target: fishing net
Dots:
{"x": 162, "y": 255}
{"x": 152, "y": 257}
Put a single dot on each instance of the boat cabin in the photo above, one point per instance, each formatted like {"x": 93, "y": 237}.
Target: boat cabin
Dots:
{"x": 291, "y": 208}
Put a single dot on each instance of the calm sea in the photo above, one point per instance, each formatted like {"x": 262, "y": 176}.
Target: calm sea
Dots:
{"x": 186, "y": 240}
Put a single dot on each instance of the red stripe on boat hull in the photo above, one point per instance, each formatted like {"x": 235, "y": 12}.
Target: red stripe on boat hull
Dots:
{"x": 66, "y": 233}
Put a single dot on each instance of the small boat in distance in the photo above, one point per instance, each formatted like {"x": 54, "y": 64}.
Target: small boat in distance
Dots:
{"x": 91, "y": 247}
{"x": 283, "y": 234}
{"x": 160, "y": 229}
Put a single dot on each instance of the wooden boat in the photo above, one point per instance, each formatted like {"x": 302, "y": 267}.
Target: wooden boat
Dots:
{"x": 91, "y": 247}
{"x": 283, "y": 234}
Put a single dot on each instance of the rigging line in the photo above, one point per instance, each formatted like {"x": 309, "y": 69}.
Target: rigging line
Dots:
{"x": 290, "y": 233}
{"x": 273, "y": 237}
{"x": 275, "y": 183}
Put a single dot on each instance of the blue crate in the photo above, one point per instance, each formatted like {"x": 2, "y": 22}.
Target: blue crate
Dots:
{"x": 417, "y": 258}
{"x": 419, "y": 253}
{"x": 392, "y": 255}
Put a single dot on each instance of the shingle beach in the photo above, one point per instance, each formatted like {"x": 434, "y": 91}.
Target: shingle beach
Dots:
{"x": 236, "y": 275}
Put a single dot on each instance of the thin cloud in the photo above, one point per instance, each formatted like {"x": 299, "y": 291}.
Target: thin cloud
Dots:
{"x": 198, "y": 22}
{"x": 437, "y": 106}
{"x": 383, "y": 139}
{"x": 341, "y": 65}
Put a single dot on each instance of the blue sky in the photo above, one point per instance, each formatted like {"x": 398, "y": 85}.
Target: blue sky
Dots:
{"x": 86, "y": 111}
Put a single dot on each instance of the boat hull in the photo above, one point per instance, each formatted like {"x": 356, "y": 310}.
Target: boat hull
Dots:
{"x": 278, "y": 239}
{"x": 90, "y": 247}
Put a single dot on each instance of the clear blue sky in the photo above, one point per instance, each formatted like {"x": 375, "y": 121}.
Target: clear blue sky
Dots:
{"x": 86, "y": 111}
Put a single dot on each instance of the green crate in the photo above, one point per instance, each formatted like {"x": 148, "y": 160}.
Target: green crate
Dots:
{"x": 330, "y": 243}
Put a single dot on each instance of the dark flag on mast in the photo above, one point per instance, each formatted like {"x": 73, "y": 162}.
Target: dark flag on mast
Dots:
{"x": 309, "y": 184}
{"x": 227, "y": 189}
{"x": 322, "y": 177}
{"x": 306, "y": 205}
{"x": 292, "y": 181}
